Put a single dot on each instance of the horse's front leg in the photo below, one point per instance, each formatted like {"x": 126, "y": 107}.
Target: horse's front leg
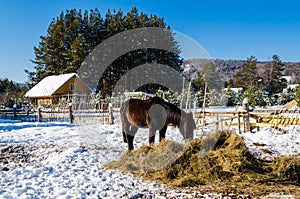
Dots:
{"x": 162, "y": 133}
{"x": 130, "y": 142}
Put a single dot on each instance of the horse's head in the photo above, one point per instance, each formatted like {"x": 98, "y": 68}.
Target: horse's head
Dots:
{"x": 187, "y": 125}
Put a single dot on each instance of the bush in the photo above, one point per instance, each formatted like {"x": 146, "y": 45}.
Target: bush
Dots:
{"x": 286, "y": 97}
{"x": 231, "y": 99}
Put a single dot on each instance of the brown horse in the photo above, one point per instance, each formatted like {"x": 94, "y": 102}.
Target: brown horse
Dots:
{"x": 156, "y": 114}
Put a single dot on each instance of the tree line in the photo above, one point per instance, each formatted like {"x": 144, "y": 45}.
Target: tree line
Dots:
{"x": 11, "y": 93}
{"x": 75, "y": 33}
{"x": 266, "y": 88}
{"x": 228, "y": 68}
{"x": 272, "y": 80}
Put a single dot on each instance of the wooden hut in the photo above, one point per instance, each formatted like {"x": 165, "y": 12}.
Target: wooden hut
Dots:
{"x": 52, "y": 89}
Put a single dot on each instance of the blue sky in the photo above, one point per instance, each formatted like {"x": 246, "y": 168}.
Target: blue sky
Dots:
{"x": 225, "y": 29}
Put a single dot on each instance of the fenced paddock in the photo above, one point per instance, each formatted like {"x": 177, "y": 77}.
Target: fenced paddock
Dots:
{"x": 278, "y": 120}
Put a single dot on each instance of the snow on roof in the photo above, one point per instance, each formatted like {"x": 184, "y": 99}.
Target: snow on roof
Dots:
{"x": 234, "y": 90}
{"x": 49, "y": 85}
{"x": 293, "y": 86}
{"x": 138, "y": 93}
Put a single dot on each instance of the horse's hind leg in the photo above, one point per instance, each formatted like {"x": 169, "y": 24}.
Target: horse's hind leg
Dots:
{"x": 130, "y": 136}
{"x": 125, "y": 137}
{"x": 162, "y": 133}
{"x": 124, "y": 126}
{"x": 151, "y": 135}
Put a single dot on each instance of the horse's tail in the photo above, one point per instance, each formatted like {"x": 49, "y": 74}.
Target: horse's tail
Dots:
{"x": 124, "y": 119}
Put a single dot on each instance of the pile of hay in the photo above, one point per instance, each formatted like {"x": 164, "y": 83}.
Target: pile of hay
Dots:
{"x": 229, "y": 162}
{"x": 148, "y": 159}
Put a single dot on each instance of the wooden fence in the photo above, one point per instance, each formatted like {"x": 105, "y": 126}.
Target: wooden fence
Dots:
{"x": 17, "y": 114}
{"x": 62, "y": 115}
{"x": 282, "y": 120}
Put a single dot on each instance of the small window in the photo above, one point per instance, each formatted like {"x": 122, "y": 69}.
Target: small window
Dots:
{"x": 72, "y": 87}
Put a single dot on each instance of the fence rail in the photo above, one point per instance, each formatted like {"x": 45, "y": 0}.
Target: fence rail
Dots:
{"x": 62, "y": 115}
{"x": 283, "y": 120}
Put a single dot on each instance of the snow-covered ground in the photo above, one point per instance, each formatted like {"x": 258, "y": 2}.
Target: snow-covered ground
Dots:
{"x": 59, "y": 160}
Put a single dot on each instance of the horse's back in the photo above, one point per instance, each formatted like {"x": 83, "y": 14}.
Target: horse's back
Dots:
{"x": 136, "y": 111}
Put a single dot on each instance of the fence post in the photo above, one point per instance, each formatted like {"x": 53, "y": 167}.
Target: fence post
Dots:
{"x": 182, "y": 94}
{"x": 71, "y": 113}
{"x": 203, "y": 105}
{"x": 195, "y": 104}
{"x": 39, "y": 113}
{"x": 217, "y": 124}
{"x": 110, "y": 114}
{"x": 258, "y": 121}
{"x": 188, "y": 104}
{"x": 15, "y": 111}
{"x": 239, "y": 123}
{"x": 246, "y": 117}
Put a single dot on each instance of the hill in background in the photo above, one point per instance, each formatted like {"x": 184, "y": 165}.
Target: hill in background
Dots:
{"x": 228, "y": 68}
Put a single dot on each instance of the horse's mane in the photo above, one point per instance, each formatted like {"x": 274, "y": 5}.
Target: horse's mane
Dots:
{"x": 173, "y": 112}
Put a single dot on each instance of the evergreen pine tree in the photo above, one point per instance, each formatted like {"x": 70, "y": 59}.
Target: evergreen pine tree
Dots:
{"x": 250, "y": 94}
{"x": 277, "y": 82}
{"x": 10, "y": 93}
{"x": 259, "y": 99}
{"x": 72, "y": 36}
{"x": 231, "y": 100}
{"x": 199, "y": 97}
{"x": 239, "y": 97}
{"x": 248, "y": 75}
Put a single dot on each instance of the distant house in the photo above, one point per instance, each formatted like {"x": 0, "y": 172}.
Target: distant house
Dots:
{"x": 235, "y": 91}
{"x": 291, "y": 87}
{"x": 288, "y": 79}
{"x": 139, "y": 95}
{"x": 50, "y": 90}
